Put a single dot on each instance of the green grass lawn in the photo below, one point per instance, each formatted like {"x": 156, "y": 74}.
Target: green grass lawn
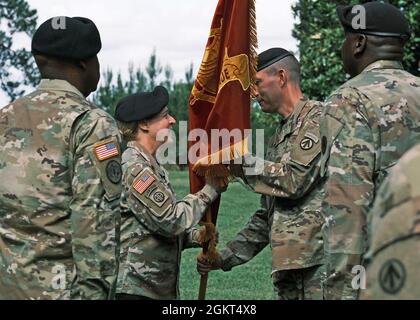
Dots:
{"x": 250, "y": 281}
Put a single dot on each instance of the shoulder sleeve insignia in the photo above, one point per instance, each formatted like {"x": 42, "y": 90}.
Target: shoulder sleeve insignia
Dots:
{"x": 307, "y": 146}
{"x": 105, "y": 156}
{"x": 159, "y": 197}
{"x": 106, "y": 150}
{"x": 151, "y": 192}
{"x": 113, "y": 171}
{"x": 306, "y": 143}
{"x": 143, "y": 182}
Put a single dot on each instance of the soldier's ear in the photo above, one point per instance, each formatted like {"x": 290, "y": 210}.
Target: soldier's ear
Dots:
{"x": 360, "y": 42}
{"x": 143, "y": 126}
{"x": 282, "y": 74}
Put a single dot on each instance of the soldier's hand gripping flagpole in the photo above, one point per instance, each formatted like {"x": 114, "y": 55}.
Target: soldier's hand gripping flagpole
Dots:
{"x": 204, "y": 277}
{"x": 221, "y": 98}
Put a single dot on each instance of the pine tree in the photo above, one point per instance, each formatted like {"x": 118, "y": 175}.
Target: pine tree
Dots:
{"x": 17, "y": 67}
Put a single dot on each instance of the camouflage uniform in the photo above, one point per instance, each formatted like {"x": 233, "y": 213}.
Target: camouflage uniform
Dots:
{"x": 393, "y": 258}
{"x": 59, "y": 210}
{"x": 289, "y": 218}
{"x": 368, "y": 123}
{"x": 155, "y": 227}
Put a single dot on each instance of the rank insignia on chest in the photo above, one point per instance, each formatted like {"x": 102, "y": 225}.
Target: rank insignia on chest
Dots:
{"x": 141, "y": 184}
{"x": 106, "y": 151}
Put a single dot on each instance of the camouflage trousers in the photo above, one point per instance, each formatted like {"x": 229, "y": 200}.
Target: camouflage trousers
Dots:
{"x": 123, "y": 296}
{"x": 338, "y": 284}
{"x": 300, "y": 284}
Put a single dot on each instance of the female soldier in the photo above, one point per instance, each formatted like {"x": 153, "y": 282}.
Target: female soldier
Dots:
{"x": 154, "y": 226}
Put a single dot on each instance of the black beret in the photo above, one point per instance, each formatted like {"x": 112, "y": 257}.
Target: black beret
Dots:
{"x": 143, "y": 105}
{"x": 270, "y": 56}
{"x": 382, "y": 19}
{"x": 68, "y": 38}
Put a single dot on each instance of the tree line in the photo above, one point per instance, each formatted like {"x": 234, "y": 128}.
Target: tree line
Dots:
{"x": 317, "y": 30}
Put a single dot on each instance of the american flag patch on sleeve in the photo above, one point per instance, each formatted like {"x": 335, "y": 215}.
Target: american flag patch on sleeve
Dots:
{"x": 106, "y": 151}
{"x": 141, "y": 184}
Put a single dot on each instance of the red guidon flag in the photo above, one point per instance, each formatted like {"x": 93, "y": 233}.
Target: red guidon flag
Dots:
{"x": 221, "y": 96}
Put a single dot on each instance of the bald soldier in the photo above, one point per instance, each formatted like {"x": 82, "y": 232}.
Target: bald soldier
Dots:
{"x": 61, "y": 175}
{"x": 368, "y": 124}
{"x": 289, "y": 219}
{"x": 393, "y": 259}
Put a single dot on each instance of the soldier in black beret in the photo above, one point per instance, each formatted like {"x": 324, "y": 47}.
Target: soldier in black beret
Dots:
{"x": 368, "y": 124}
{"x": 65, "y": 156}
{"x": 140, "y": 106}
{"x": 381, "y": 19}
{"x": 135, "y": 112}
{"x": 381, "y": 36}
{"x": 155, "y": 226}
{"x": 291, "y": 191}
{"x": 271, "y": 56}
{"x": 66, "y": 48}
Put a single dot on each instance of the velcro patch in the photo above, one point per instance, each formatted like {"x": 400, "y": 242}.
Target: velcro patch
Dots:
{"x": 306, "y": 143}
{"x": 159, "y": 197}
{"x": 312, "y": 136}
{"x": 113, "y": 171}
{"x": 106, "y": 150}
{"x": 143, "y": 182}
{"x": 151, "y": 192}
{"x": 307, "y": 146}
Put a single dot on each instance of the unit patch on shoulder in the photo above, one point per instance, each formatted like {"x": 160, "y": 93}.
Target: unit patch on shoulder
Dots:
{"x": 113, "y": 171}
{"x": 159, "y": 197}
{"x": 306, "y": 143}
{"x": 143, "y": 182}
{"x": 151, "y": 192}
{"x": 106, "y": 150}
{"x": 392, "y": 276}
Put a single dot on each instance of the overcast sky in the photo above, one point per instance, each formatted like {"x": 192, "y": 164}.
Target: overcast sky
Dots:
{"x": 177, "y": 29}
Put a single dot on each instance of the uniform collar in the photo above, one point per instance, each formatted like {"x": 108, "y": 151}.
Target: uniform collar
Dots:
{"x": 139, "y": 149}
{"x": 384, "y": 64}
{"x": 297, "y": 110}
{"x": 58, "y": 85}
{"x": 145, "y": 154}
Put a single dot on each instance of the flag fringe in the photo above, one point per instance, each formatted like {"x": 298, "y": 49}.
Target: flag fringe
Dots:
{"x": 253, "y": 46}
{"x": 212, "y": 165}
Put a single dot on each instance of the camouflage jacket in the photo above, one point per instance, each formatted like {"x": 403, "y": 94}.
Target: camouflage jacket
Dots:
{"x": 60, "y": 171}
{"x": 155, "y": 227}
{"x": 394, "y": 234}
{"x": 368, "y": 124}
{"x": 289, "y": 218}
